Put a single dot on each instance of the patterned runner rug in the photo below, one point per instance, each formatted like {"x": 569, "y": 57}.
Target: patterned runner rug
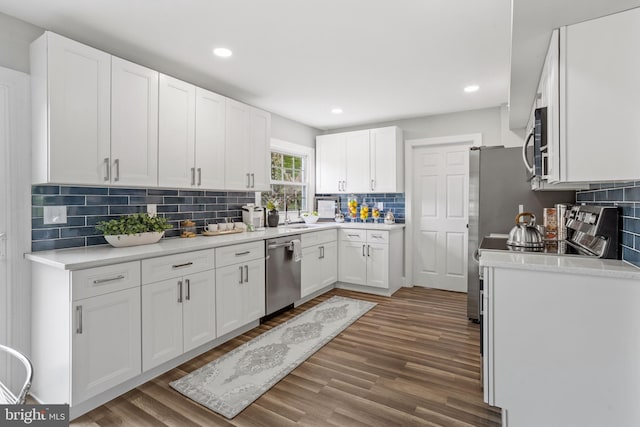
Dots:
{"x": 232, "y": 382}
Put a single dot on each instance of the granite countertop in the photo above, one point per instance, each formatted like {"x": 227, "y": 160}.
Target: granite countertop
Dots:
{"x": 560, "y": 264}
{"x": 97, "y": 256}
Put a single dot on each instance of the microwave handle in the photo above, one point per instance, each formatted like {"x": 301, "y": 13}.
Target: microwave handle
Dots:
{"x": 524, "y": 153}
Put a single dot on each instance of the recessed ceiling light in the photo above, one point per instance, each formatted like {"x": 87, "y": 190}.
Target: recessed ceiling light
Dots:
{"x": 471, "y": 88}
{"x": 336, "y": 110}
{"x": 222, "y": 52}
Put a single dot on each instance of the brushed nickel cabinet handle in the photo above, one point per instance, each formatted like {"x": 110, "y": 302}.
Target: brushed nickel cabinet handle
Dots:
{"x": 368, "y": 250}
{"x": 188, "y": 282}
{"x": 78, "y": 319}
{"x": 243, "y": 253}
{"x": 246, "y": 273}
{"x": 193, "y": 176}
{"x": 248, "y": 181}
{"x": 179, "y": 291}
{"x": 253, "y": 180}
{"x": 240, "y": 282}
{"x": 110, "y": 279}
{"x": 363, "y": 250}
{"x": 106, "y": 169}
{"x": 199, "y": 177}
{"x": 116, "y": 163}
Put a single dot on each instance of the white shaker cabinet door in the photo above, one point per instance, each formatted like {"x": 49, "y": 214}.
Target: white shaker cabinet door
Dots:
{"x": 79, "y": 97}
{"x": 377, "y": 265}
{"x": 161, "y": 322}
{"x": 253, "y": 291}
{"x": 106, "y": 342}
{"x": 199, "y": 309}
{"x": 237, "y": 147}
{"x": 229, "y": 295}
{"x": 357, "y": 153}
{"x": 353, "y": 263}
{"x": 328, "y": 264}
{"x": 386, "y": 171}
{"x": 176, "y": 137}
{"x": 331, "y": 164}
{"x": 310, "y": 270}
{"x": 134, "y": 124}
{"x": 259, "y": 157}
{"x": 210, "y": 140}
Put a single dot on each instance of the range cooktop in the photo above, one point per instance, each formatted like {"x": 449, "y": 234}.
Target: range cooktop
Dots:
{"x": 551, "y": 247}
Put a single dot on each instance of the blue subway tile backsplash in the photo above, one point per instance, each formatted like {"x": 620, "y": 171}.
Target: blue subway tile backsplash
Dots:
{"x": 625, "y": 195}
{"x": 86, "y": 206}
{"x": 392, "y": 201}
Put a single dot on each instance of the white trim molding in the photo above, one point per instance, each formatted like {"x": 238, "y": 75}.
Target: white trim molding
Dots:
{"x": 473, "y": 140}
{"x": 298, "y": 150}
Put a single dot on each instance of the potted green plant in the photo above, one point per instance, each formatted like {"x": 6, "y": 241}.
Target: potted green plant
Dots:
{"x": 133, "y": 230}
{"x": 272, "y": 212}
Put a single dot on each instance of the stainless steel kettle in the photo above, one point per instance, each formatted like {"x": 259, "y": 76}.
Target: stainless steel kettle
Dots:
{"x": 525, "y": 234}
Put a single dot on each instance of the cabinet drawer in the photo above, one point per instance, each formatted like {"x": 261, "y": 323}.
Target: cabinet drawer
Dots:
{"x": 167, "y": 267}
{"x": 353, "y": 235}
{"x": 228, "y": 255}
{"x": 374, "y": 236}
{"x": 102, "y": 280}
{"x": 318, "y": 237}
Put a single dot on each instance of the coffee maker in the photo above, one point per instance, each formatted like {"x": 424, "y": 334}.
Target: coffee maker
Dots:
{"x": 253, "y": 216}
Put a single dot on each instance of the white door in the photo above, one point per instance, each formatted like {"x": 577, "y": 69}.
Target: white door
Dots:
{"x": 311, "y": 270}
{"x": 79, "y": 85}
{"x": 161, "y": 322}
{"x": 199, "y": 309}
{"x": 210, "y": 145}
{"x": 134, "y": 124}
{"x": 15, "y": 222}
{"x": 176, "y": 134}
{"x": 106, "y": 339}
{"x": 439, "y": 212}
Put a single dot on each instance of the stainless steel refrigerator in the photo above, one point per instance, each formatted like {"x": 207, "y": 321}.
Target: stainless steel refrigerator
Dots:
{"x": 497, "y": 185}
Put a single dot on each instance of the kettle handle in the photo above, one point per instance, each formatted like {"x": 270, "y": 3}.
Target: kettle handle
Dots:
{"x": 532, "y": 218}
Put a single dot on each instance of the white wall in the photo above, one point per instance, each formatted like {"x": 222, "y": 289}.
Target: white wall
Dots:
{"x": 15, "y": 38}
{"x": 487, "y": 121}
{"x": 295, "y": 132}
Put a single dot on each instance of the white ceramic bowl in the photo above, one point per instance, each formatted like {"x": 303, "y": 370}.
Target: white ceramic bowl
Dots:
{"x": 310, "y": 219}
{"x": 124, "y": 240}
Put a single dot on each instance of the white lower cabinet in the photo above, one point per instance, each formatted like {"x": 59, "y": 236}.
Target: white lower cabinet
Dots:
{"x": 106, "y": 342}
{"x": 240, "y": 293}
{"x": 319, "y": 261}
{"x": 178, "y": 313}
{"x": 371, "y": 258}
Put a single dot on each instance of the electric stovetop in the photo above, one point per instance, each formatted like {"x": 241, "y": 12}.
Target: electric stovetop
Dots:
{"x": 551, "y": 247}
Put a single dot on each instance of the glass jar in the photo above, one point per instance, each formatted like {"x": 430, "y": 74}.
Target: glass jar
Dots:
{"x": 352, "y": 206}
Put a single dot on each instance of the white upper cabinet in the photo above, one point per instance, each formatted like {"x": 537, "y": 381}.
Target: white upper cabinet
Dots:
{"x": 331, "y": 163}
{"x": 134, "y": 124}
{"x": 386, "y": 160}
{"x": 366, "y": 161}
{"x": 247, "y": 159}
{"x": 71, "y": 92}
{"x": 209, "y": 139}
{"x": 176, "y": 133}
{"x": 591, "y": 89}
{"x": 600, "y": 93}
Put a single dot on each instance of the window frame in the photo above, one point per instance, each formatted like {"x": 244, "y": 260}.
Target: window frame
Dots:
{"x": 290, "y": 148}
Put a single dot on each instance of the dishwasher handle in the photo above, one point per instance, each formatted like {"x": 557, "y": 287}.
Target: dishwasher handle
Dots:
{"x": 279, "y": 245}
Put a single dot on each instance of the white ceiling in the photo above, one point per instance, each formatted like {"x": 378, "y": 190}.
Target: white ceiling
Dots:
{"x": 379, "y": 60}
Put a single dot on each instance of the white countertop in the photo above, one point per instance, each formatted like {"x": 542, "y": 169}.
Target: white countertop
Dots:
{"x": 560, "y": 264}
{"x": 96, "y": 256}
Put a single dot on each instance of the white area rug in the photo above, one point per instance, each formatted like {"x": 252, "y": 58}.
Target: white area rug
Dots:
{"x": 229, "y": 384}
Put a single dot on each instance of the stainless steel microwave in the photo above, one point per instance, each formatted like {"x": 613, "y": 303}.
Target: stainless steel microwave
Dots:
{"x": 539, "y": 165}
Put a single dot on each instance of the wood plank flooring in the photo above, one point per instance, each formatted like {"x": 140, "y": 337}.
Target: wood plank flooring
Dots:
{"x": 411, "y": 361}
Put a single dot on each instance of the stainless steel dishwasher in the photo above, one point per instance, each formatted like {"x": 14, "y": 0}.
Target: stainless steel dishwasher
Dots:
{"x": 283, "y": 272}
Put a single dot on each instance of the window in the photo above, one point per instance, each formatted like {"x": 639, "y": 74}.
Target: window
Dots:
{"x": 291, "y": 172}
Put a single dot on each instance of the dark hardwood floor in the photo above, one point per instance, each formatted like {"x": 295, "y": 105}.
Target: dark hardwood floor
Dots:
{"x": 411, "y": 361}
